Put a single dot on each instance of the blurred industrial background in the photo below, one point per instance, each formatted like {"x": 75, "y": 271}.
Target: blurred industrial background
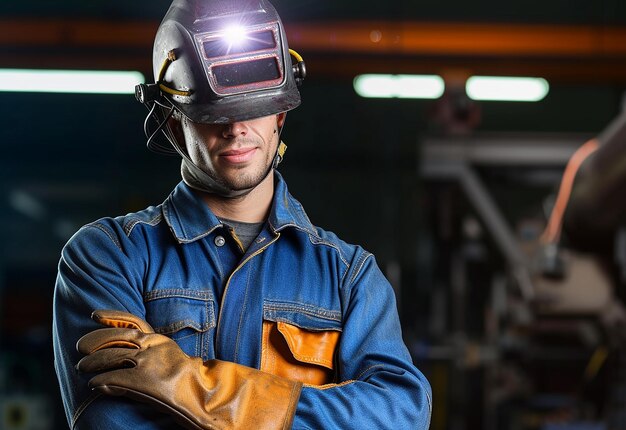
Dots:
{"x": 517, "y": 324}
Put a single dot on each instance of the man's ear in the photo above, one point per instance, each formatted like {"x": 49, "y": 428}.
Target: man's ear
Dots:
{"x": 280, "y": 119}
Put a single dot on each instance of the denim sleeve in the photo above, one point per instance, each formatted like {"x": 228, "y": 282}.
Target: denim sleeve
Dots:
{"x": 380, "y": 388}
{"x": 97, "y": 270}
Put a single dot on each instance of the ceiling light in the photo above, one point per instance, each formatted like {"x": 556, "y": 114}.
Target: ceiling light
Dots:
{"x": 399, "y": 86}
{"x": 69, "y": 81}
{"x": 500, "y": 88}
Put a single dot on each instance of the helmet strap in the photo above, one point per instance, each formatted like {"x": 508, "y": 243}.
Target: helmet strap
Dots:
{"x": 281, "y": 148}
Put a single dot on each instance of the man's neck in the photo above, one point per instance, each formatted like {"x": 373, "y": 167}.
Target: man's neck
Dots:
{"x": 253, "y": 207}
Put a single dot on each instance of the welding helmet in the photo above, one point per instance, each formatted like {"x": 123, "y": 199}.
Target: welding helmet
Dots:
{"x": 222, "y": 61}
{"x": 218, "y": 62}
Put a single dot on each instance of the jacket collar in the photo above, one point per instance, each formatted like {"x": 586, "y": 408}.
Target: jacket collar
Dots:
{"x": 190, "y": 218}
{"x": 287, "y": 211}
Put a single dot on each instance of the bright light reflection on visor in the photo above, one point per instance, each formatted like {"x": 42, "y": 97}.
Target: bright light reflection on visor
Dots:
{"x": 234, "y": 35}
{"x": 235, "y": 40}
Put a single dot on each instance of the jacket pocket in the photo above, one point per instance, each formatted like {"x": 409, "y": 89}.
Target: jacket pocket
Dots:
{"x": 297, "y": 351}
{"x": 187, "y": 316}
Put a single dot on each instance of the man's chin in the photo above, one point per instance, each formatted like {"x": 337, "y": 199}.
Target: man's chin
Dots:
{"x": 242, "y": 184}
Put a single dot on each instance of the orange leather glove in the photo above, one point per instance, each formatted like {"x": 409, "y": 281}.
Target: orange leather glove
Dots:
{"x": 143, "y": 365}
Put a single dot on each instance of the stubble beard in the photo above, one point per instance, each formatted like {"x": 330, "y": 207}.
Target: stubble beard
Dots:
{"x": 241, "y": 180}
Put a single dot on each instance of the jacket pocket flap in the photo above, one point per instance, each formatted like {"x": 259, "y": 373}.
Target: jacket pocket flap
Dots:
{"x": 313, "y": 347}
{"x": 172, "y": 310}
{"x": 308, "y": 317}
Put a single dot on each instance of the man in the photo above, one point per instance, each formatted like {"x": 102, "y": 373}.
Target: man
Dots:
{"x": 224, "y": 307}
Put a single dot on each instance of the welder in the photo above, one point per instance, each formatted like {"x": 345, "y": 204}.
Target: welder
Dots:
{"x": 224, "y": 307}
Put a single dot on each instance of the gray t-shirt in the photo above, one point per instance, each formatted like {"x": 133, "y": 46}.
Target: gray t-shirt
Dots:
{"x": 245, "y": 231}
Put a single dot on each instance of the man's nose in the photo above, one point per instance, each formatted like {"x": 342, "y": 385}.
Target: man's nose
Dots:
{"x": 235, "y": 129}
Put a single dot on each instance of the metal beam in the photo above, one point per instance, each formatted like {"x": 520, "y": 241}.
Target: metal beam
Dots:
{"x": 558, "y": 52}
{"x": 493, "y": 218}
{"x": 503, "y": 150}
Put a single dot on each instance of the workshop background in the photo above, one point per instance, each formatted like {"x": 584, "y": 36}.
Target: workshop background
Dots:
{"x": 516, "y": 323}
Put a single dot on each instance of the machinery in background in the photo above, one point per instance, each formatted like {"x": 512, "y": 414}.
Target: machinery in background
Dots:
{"x": 527, "y": 290}
{"x": 29, "y": 398}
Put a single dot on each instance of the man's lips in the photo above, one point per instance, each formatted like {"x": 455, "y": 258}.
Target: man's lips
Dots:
{"x": 241, "y": 155}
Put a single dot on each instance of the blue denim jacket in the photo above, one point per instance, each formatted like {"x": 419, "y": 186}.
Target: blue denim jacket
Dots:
{"x": 178, "y": 267}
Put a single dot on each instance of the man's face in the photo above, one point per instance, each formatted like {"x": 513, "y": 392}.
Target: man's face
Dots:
{"x": 236, "y": 155}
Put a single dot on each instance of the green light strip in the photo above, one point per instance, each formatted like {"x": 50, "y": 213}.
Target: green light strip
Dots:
{"x": 399, "y": 86}
{"x": 69, "y": 81}
{"x": 501, "y": 88}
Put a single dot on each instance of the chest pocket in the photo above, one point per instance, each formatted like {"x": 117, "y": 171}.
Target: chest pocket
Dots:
{"x": 300, "y": 345}
{"x": 187, "y": 316}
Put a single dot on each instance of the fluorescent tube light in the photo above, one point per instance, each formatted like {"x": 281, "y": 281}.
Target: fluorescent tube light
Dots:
{"x": 502, "y": 88}
{"x": 399, "y": 86}
{"x": 69, "y": 81}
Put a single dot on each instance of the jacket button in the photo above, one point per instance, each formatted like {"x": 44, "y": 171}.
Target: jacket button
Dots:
{"x": 219, "y": 241}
